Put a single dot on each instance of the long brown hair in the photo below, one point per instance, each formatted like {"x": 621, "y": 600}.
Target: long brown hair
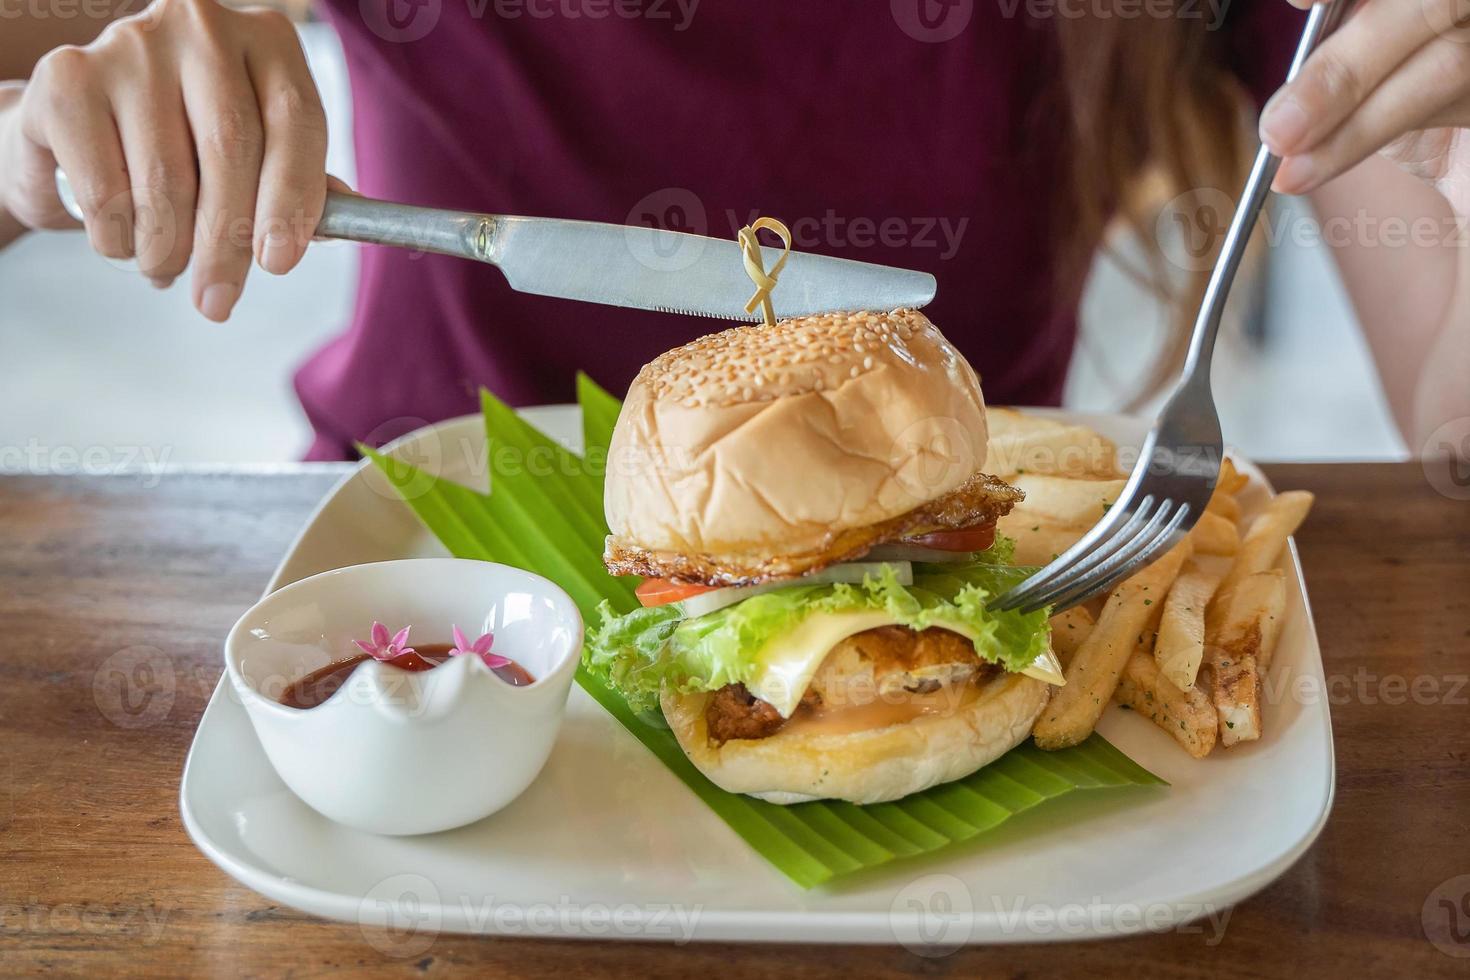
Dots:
{"x": 1148, "y": 99}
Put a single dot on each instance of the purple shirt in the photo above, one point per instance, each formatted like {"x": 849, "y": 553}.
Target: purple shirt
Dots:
{"x": 853, "y": 121}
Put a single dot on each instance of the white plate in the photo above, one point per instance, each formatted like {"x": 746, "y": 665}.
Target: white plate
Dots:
{"x": 608, "y": 843}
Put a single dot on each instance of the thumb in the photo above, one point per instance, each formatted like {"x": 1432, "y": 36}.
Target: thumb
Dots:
{"x": 335, "y": 185}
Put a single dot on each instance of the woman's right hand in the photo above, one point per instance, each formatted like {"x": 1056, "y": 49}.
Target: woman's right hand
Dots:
{"x": 189, "y": 132}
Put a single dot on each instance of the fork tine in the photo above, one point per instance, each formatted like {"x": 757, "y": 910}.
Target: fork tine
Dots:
{"x": 1114, "y": 528}
{"x": 1165, "y": 538}
{"x": 1104, "y": 580}
{"x": 1121, "y": 549}
{"x": 1140, "y": 524}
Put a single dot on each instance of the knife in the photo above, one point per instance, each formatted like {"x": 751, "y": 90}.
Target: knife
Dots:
{"x": 617, "y": 265}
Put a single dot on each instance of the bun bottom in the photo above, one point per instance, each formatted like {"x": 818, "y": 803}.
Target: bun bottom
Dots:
{"x": 867, "y": 766}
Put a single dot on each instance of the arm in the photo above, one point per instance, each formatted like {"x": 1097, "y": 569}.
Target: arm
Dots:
{"x": 1372, "y": 129}
{"x": 1404, "y": 256}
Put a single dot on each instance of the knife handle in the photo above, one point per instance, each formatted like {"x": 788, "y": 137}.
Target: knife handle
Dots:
{"x": 362, "y": 219}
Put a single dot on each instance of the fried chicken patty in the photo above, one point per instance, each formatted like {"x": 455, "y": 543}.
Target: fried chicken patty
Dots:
{"x": 888, "y": 660}
{"x": 979, "y": 502}
{"x": 880, "y": 663}
{"x": 733, "y": 712}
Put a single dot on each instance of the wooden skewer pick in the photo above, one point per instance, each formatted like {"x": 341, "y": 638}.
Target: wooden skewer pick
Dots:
{"x": 755, "y": 265}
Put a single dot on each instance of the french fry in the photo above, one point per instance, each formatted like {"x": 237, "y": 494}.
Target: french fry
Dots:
{"x": 1225, "y": 505}
{"x": 1239, "y": 652}
{"x": 1065, "y": 502}
{"x": 1028, "y": 444}
{"x": 1231, "y": 480}
{"x": 1056, "y": 513}
{"x": 1037, "y": 544}
{"x": 1215, "y": 535}
{"x": 1235, "y": 690}
{"x": 1261, "y": 547}
{"x": 1068, "y": 630}
{"x": 1251, "y": 622}
{"x": 1187, "y": 641}
{"x": 1096, "y": 667}
{"x": 1156, "y": 609}
{"x": 1187, "y": 715}
{"x": 1180, "y": 646}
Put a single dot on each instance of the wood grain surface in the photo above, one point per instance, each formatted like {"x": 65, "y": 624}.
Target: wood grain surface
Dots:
{"x": 115, "y": 593}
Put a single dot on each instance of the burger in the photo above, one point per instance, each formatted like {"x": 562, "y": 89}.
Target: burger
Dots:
{"x": 807, "y": 507}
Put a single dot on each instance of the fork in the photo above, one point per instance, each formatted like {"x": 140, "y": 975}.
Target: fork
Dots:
{"x": 1180, "y": 460}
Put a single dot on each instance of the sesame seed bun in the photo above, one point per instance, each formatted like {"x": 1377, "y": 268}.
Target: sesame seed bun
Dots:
{"x": 764, "y": 451}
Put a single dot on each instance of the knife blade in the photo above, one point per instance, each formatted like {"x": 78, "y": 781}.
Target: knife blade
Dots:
{"x": 627, "y": 265}
{"x": 675, "y": 272}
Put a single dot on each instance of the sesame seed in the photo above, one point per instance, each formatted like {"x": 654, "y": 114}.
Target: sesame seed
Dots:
{"x": 786, "y": 358}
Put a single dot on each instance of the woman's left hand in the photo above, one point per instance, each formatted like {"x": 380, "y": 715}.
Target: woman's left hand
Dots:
{"x": 1393, "y": 79}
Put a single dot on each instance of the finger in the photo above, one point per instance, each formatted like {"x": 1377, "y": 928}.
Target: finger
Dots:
{"x": 293, "y": 180}
{"x": 1342, "y": 72}
{"x": 163, "y": 174}
{"x": 61, "y": 113}
{"x": 30, "y": 193}
{"x": 335, "y": 185}
{"x": 228, "y": 141}
{"x": 1412, "y": 98}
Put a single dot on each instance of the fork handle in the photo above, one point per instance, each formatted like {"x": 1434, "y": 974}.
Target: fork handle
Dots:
{"x": 1321, "y": 21}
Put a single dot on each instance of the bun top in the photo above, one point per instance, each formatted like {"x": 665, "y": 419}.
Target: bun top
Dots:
{"x": 771, "y": 440}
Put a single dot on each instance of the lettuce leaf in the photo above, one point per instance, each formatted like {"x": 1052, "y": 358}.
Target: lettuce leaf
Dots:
{"x": 639, "y": 651}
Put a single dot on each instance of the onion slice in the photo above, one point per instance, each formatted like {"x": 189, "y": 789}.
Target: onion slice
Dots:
{"x": 852, "y": 572}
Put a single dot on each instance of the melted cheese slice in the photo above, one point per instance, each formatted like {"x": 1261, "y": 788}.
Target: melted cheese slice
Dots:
{"x": 789, "y": 662}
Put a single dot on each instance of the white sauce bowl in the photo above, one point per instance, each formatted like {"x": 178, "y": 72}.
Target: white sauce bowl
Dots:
{"x": 396, "y": 751}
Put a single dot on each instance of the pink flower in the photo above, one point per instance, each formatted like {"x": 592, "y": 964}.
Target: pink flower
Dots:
{"x": 480, "y": 648}
{"x": 384, "y": 648}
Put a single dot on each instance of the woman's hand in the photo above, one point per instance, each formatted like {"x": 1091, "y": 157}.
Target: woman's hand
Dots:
{"x": 1393, "y": 79}
{"x": 188, "y": 132}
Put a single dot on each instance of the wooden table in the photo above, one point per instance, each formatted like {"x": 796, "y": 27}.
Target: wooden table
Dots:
{"x": 98, "y": 877}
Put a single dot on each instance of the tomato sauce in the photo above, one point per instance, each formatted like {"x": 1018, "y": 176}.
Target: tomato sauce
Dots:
{"x": 319, "y": 685}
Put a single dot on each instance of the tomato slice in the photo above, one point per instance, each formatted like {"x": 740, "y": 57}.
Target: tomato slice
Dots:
{"x": 662, "y": 591}
{"x": 965, "y": 539}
